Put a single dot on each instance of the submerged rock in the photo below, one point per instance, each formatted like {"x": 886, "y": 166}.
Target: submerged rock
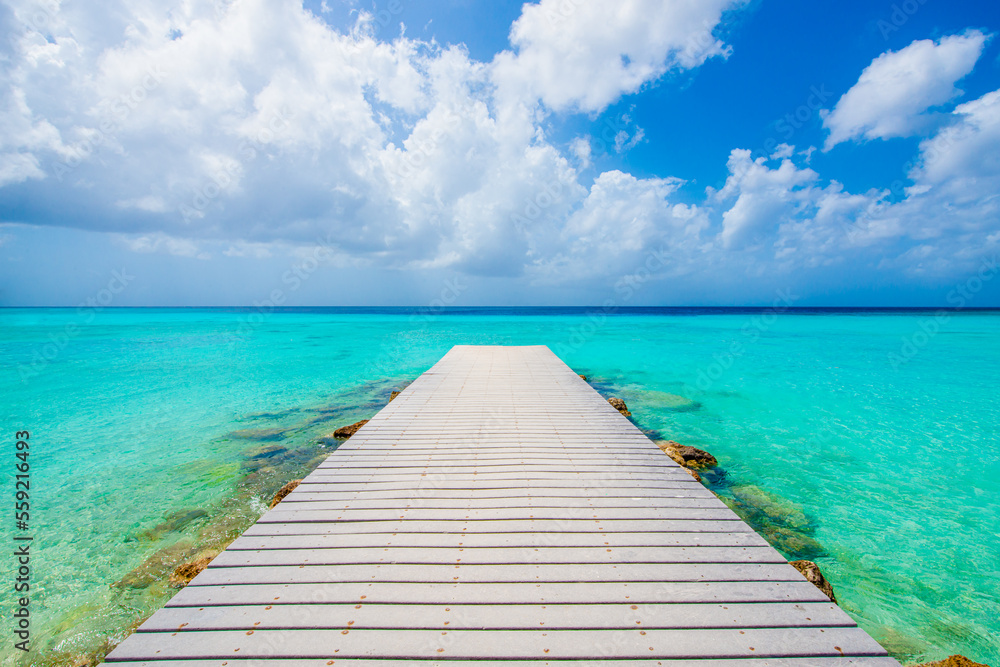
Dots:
{"x": 266, "y": 459}
{"x": 259, "y": 434}
{"x": 271, "y": 415}
{"x": 794, "y": 543}
{"x": 174, "y": 521}
{"x": 156, "y": 567}
{"x": 269, "y": 452}
{"x": 782, "y": 523}
{"x": 284, "y": 491}
{"x": 690, "y": 457}
{"x": 235, "y": 516}
{"x": 185, "y": 572}
{"x": 771, "y": 505}
{"x": 345, "y": 432}
{"x": 953, "y": 661}
{"x": 619, "y": 405}
{"x": 811, "y": 572}
{"x": 673, "y": 402}
{"x": 181, "y": 518}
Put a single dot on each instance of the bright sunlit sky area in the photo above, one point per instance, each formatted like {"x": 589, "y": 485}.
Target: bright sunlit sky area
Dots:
{"x": 563, "y": 152}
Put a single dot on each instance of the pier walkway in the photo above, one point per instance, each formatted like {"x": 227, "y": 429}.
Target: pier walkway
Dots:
{"x": 499, "y": 511}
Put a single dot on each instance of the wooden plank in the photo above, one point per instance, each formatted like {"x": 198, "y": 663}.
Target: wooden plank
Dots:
{"x": 500, "y": 573}
{"x": 504, "y": 617}
{"x": 569, "y": 493}
{"x": 294, "y": 513}
{"x": 525, "y": 455}
{"x": 468, "y": 450}
{"x": 517, "y": 477}
{"x": 307, "y": 500}
{"x": 502, "y": 555}
{"x": 681, "y": 482}
{"x": 590, "y": 592}
{"x": 666, "y": 465}
{"x": 563, "y": 525}
{"x": 577, "y": 443}
{"x": 484, "y": 454}
{"x": 497, "y": 540}
{"x": 677, "y": 490}
{"x": 504, "y": 644}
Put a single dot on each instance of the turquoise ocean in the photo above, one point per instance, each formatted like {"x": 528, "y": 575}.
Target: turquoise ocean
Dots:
{"x": 868, "y": 441}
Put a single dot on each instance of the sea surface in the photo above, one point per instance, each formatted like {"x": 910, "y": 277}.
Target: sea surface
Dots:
{"x": 868, "y": 441}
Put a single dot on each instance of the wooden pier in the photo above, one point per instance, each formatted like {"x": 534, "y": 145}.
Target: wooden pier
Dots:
{"x": 499, "y": 511}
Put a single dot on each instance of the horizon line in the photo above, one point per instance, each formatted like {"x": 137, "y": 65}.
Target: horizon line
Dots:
{"x": 443, "y": 309}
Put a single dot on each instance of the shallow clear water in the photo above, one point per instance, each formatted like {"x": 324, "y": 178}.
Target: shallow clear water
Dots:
{"x": 157, "y": 435}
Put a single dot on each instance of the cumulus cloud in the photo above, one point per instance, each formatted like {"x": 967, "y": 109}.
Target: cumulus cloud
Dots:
{"x": 943, "y": 224}
{"x": 763, "y": 197}
{"x": 620, "y": 221}
{"x": 964, "y": 157}
{"x": 894, "y": 92}
{"x": 954, "y": 199}
{"x": 21, "y": 137}
{"x": 584, "y": 55}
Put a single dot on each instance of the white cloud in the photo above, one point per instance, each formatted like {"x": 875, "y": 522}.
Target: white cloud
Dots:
{"x": 21, "y": 136}
{"x": 619, "y": 223}
{"x": 576, "y": 53}
{"x": 16, "y": 167}
{"x": 580, "y": 148}
{"x": 890, "y": 98}
{"x": 162, "y": 243}
{"x": 782, "y": 151}
{"x": 149, "y": 203}
{"x": 254, "y": 250}
{"x": 764, "y": 197}
{"x": 966, "y": 153}
{"x": 779, "y": 218}
{"x": 955, "y": 199}
{"x": 624, "y": 143}
{"x": 940, "y": 226}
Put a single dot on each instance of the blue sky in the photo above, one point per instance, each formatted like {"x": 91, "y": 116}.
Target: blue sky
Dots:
{"x": 639, "y": 152}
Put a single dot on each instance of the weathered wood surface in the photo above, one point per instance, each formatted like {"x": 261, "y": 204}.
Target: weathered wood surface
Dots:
{"x": 499, "y": 512}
